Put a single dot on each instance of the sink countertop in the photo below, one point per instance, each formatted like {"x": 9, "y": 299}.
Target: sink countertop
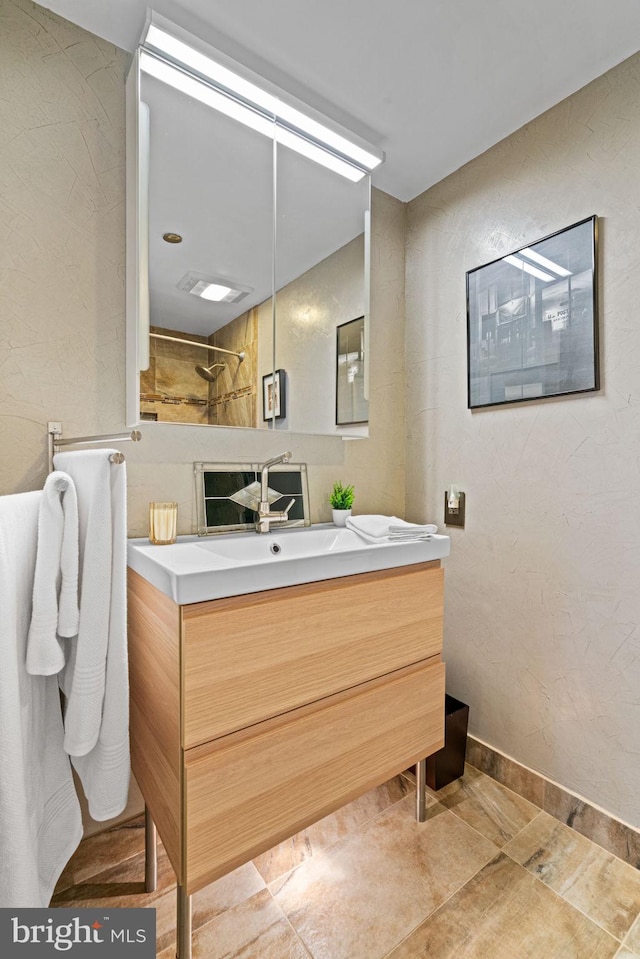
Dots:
{"x": 195, "y": 569}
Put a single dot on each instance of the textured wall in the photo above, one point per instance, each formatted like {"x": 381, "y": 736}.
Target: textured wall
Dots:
{"x": 62, "y": 292}
{"x": 542, "y": 599}
{"x": 62, "y": 289}
{"x": 308, "y": 310}
{"x": 61, "y": 235}
{"x": 543, "y": 604}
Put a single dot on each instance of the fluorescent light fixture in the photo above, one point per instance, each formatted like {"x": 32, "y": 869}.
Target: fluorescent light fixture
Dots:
{"x": 543, "y": 261}
{"x": 213, "y": 288}
{"x": 533, "y": 270}
{"x": 197, "y": 90}
{"x": 303, "y": 133}
{"x": 309, "y": 149}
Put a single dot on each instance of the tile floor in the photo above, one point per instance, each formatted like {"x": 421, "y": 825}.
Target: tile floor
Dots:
{"x": 489, "y": 875}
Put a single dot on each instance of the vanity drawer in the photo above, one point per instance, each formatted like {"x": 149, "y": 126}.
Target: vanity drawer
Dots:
{"x": 250, "y": 790}
{"x": 248, "y": 658}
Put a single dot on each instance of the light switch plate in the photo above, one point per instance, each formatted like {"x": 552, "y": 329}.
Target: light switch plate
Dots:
{"x": 451, "y": 517}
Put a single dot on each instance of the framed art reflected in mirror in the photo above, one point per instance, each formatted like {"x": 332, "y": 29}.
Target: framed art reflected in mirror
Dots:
{"x": 274, "y": 398}
{"x": 532, "y": 320}
{"x": 352, "y": 406}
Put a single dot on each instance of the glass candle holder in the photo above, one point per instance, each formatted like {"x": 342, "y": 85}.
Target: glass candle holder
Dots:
{"x": 163, "y": 521}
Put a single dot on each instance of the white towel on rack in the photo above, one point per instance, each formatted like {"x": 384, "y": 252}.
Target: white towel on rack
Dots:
{"x": 375, "y": 528}
{"x": 40, "y": 819}
{"x": 95, "y": 678}
{"x": 55, "y": 589}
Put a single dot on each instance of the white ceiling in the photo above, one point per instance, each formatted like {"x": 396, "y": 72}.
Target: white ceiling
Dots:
{"x": 432, "y": 82}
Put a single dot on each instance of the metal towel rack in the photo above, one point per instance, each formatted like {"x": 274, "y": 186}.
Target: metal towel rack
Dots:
{"x": 57, "y": 442}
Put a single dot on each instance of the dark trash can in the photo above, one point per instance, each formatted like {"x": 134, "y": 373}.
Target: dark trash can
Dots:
{"x": 448, "y": 763}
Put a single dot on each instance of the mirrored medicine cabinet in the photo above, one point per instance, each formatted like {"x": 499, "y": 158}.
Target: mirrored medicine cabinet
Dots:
{"x": 245, "y": 258}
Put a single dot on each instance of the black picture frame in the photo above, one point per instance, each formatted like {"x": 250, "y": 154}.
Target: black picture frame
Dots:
{"x": 532, "y": 320}
{"x": 274, "y": 398}
{"x": 352, "y": 408}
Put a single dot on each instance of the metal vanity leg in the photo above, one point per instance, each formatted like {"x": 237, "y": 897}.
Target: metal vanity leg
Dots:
{"x": 421, "y": 790}
{"x": 150, "y": 852}
{"x": 183, "y": 925}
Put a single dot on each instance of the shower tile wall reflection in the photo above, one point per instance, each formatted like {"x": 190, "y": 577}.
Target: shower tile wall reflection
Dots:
{"x": 172, "y": 391}
{"x": 232, "y": 395}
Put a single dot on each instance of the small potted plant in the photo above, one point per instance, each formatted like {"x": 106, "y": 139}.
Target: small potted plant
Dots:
{"x": 341, "y": 500}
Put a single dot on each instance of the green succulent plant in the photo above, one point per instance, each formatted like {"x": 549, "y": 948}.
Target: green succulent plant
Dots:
{"x": 341, "y": 496}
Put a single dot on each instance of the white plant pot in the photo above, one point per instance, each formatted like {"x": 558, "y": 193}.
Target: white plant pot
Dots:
{"x": 340, "y": 516}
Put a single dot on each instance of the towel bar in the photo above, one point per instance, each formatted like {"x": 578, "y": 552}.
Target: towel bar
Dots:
{"x": 56, "y": 441}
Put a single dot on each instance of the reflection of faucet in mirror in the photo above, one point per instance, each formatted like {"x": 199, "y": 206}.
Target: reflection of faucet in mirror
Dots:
{"x": 266, "y": 515}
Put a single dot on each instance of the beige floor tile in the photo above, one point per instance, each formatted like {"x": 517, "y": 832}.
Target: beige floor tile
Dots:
{"x": 359, "y": 898}
{"x": 122, "y": 885}
{"x": 165, "y": 907}
{"x": 369, "y": 877}
{"x": 291, "y": 853}
{"x": 511, "y": 774}
{"x": 632, "y": 939}
{"x": 622, "y": 840}
{"x": 491, "y": 808}
{"x": 591, "y": 879}
{"x": 208, "y": 903}
{"x": 101, "y": 851}
{"x": 504, "y": 913}
{"x": 255, "y": 929}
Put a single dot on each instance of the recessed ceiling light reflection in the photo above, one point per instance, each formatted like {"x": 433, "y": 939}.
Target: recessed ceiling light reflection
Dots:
{"x": 543, "y": 261}
{"x": 528, "y": 268}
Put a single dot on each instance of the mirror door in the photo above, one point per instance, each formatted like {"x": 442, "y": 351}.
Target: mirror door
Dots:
{"x": 320, "y": 282}
{"x": 245, "y": 257}
{"x": 210, "y": 263}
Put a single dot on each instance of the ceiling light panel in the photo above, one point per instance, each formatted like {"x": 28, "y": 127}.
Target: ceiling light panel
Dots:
{"x": 216, "y": 289}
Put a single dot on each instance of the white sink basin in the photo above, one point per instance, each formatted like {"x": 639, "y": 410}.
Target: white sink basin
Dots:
{"x": 196, "y": 569}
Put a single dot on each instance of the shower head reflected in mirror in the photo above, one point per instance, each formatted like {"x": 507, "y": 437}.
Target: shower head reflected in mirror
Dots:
{"x": 206, "y": 372}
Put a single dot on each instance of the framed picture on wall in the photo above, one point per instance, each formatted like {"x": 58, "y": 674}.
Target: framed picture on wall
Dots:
{"x": 532, "y": 320}
{"x": 274, "y": 396}
{"x": 352, "y": 407}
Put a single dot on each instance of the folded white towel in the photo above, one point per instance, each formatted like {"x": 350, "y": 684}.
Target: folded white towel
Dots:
{"x": 55, "y": 587}
{"x": 40, "y": 819}
{"x": 375, "y": 528}
{"x": 411, "y": 529}
{"x": 95, "y": 678}
{"x": 401, "y": 531}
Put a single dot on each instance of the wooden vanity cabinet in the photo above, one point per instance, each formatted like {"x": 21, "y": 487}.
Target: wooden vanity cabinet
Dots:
{"x": 256, "y": 715}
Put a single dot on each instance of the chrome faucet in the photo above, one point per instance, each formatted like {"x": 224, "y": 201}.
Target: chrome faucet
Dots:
{"x": 266, "y": 515}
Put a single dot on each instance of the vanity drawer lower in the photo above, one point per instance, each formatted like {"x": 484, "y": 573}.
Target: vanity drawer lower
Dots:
{"x": 250, "y": 790}
{"x": 248, "y": 658}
